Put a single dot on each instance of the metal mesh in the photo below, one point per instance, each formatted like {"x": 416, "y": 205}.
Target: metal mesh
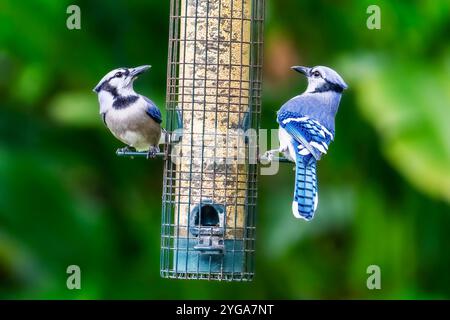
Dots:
{"x": 210, "y": 174}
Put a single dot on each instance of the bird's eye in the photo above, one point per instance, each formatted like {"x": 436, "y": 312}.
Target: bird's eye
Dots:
{"x": 316, "y": 74}
{"x": 118, "y": 74}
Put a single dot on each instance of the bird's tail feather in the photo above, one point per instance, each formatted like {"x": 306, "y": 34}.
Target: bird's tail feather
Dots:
{"x": 305, "y": 193}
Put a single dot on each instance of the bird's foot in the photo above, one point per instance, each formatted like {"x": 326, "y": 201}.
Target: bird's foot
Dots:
{"x": 151, "y": 154}
{"x": 268, "y": 156}
{"x": 126, "y": 149}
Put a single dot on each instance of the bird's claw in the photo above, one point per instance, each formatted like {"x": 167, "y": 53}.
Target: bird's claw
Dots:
{"x": 267, "y": 157}
{"x": 125, "y": 149}
{"x": 151, "y": 154}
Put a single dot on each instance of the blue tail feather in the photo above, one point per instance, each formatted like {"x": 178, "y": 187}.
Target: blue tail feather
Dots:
{"x": 305, "y": 193}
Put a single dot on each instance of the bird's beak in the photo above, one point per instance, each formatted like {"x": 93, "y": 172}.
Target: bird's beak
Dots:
{"x": 303, "y": 70}
{"x": 138, "y": 70}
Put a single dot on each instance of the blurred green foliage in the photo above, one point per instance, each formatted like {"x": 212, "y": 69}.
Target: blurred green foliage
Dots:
{"x": 65, "y": 198}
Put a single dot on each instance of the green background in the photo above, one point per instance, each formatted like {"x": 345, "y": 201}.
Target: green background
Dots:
{"x": 65, "y": 198}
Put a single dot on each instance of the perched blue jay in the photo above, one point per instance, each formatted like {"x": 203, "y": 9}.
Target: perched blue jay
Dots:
{"x": 306, "y": 130}
{"x": 131, "y": 117}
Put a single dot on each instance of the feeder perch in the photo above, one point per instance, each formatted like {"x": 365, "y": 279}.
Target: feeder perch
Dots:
{"x": 210, "y": 175}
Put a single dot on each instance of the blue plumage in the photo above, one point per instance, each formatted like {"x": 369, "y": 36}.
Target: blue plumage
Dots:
{"x": 306, "y": 130}
{"x": 305, "y": 190}
{"x": 153, "y": 111}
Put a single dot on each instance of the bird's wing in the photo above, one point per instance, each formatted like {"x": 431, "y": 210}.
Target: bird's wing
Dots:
{"x": 152, "y": 110}
{"x": 313, "y": 138}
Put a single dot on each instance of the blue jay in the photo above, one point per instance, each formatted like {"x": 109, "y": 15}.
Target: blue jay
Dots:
{"x": 306, "y": 130}
{"x": 131, "y": 117}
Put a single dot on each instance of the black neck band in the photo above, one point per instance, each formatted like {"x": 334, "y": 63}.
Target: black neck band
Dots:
{"x": 121, "y": 102}
{"x": 328, "y": 86}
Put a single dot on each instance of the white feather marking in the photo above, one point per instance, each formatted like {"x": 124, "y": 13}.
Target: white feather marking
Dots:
{"x": 295, "y": 210}
{"x": 322, "y": 128}
{"x": 318, "y": 147}
{"x": 302, "y": 119}
{"x": 322, "y": 133}
{"x": 296, "y": 213}
{"x": 325, "y": 145}
{"x": 316, "y": 201}
{"x": 304, "y": 152}
{"x": 286, "y": 145}
{"x": 327, "y": 132}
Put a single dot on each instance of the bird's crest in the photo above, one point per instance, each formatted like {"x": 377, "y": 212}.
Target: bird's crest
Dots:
{"x": 120, "y": 80}
{"x": 109, "y": 76}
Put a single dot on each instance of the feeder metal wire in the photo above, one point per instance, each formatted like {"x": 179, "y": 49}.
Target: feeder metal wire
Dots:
{"x": 214, "y": 93}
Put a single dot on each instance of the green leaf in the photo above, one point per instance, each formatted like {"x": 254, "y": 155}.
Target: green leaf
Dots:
{"x": 75, "y": 109}
{"x": 408, "y": 104}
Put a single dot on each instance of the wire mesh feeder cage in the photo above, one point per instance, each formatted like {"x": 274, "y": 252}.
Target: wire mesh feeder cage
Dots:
{"x": 210, "y": 173}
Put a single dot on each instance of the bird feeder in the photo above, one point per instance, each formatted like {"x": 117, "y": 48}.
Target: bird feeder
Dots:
{"x": 210, "y": 171}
